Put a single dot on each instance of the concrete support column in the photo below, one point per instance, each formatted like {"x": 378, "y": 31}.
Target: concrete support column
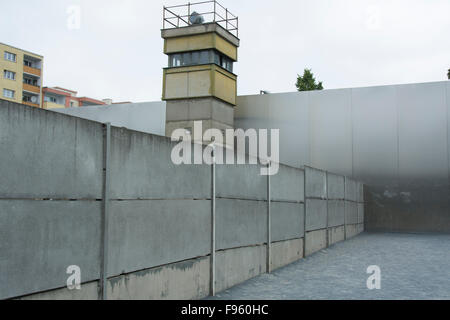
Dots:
{"x": 269, "y": 220}
{"x": 213, "y": 227}
{"x": 105, "y": 211}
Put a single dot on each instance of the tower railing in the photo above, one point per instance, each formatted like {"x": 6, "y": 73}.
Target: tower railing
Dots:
{"x": 211, "y": 11}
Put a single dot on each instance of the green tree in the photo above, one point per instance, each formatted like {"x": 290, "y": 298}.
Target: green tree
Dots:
{"x": 448, "y": 74}
{"x": 308, "y": 82}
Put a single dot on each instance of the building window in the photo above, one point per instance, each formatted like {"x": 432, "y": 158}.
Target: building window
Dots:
{"x": 8, "y": 93}
{"x": 28, "y": 63}
{"x": 26, "y": 98}
{"x": 199, "y": 58}
{"x": 9, "y": 75}
{"x": 10, "y": 56}
{"x": 31, "y": 82}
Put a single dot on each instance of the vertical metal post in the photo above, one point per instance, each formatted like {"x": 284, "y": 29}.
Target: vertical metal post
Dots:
{"x": 214, "y": 10}
{"x": 269, "y": 220}
{"x": 226, "y": 18}
{"x": 304, "y": 212}
{"x": 213, "y": 226}
{"x": 327, "y": 196}
{"x": 105, "y": 210}
{"x": 189, "y": 13}
{"x": 164, "y": 17}
{"x": 237, "y": 27}
{"x": 345, "y": 208}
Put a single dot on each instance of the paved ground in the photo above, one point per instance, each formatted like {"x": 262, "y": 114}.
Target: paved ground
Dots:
{"x": 412, "y": 267}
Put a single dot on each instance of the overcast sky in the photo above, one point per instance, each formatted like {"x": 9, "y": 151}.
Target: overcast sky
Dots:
{"x": 117, "y": 51}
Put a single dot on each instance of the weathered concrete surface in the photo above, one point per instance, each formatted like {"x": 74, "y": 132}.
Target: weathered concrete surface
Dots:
{"x": 352, "y": 230}
{"x": 315, "y": 241}
{"x": 315, "y": 183}
{"x": 336, "y": 213}
{"x": 409, "y": 271}
{"x": 179, "y": 281}
{"x": 40, "y": 151}
{"x": 336, "y": 186}
{"x": 240, "y": 223}
{"x": 150, "y": 233}
{"x": 286, "y": 252}
{"x": 288, "y": 185}
{"x": 240, "y": 181}
{"x": 287, "y": 220}
{"x": 316, "y": 214}
{"x": 88, "y": 291}
{"x": 141, "y": 168}
{"x": 336, "y": 234}
{"x": 351, "y": 212}
{"x": 40, "y": 239}
{"x": 237, "y": 265}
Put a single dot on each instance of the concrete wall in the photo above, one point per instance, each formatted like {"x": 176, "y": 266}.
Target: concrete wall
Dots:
{"x": 395, "y": 139}
{"x": 159, "y": 215}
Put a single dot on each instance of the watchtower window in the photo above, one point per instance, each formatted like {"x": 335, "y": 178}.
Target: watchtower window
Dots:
{"x": 199, "y": 58}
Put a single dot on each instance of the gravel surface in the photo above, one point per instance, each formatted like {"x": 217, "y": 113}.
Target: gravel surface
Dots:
{"x": 412, "y": 267}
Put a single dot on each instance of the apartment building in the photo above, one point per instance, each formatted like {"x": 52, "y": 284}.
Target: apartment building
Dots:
{"x": 21, "y": 75}
{"x": 57, "y": 97}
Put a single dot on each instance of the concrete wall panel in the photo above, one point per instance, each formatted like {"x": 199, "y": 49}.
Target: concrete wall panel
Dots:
{"x": 315, "y": 241}
{"x": 235, "y": 266}
{"x": 352, "y": 230}
{"x": 336, "y": 234}
{"x": 240, "y": 223}
{"x": 336, "y": 213}
{"x": 351, "y": 213}
{"x": 240, "y": 182}
{"x": 40, "y": 239}
{"x": 288, "y": 185}
{"x": 286, "y": 252}
{"x": 179, "y": 281}
{"x": 351, "y": 190}
{"x": 141, "y": 168}
{"x": 336, "y": 187}
{"x": 360, "y": 212}
{"x": 146, "y": 234}
{"x": 48, "y": 155}
{"x": 316, "y": 214}
{"x": 287, "y": 220}
{"x": 315, "y": 183}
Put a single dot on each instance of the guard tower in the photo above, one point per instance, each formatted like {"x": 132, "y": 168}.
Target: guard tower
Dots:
{"x": 201, "y": 41}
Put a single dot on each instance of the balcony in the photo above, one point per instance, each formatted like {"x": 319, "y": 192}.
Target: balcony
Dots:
{"x": 33, "y": 71}
{"x": 31, "y": 88}
{"x": 31, "y": 104}
{"x": 52, "y": 105}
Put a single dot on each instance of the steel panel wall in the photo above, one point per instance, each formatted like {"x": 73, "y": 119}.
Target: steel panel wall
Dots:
{"x": 375, "y": 147}
{"x": 331, "y": 130}
{"x": 422, "y": 132}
